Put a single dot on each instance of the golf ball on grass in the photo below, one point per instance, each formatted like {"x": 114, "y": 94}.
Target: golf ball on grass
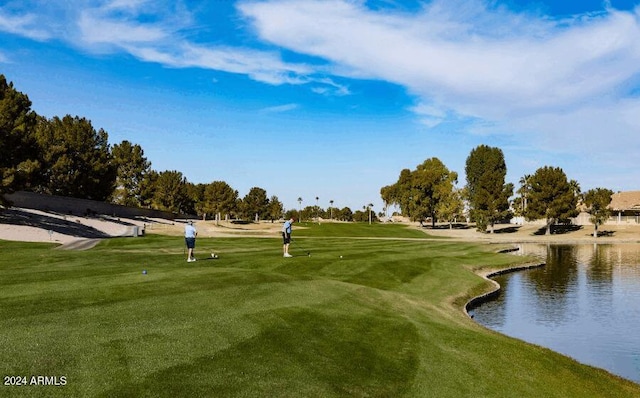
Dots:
{"x": 144, "y": 272}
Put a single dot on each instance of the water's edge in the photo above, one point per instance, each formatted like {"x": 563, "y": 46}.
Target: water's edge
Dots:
{"x": 625, "y": 369}
{"x": 483, "y": 298}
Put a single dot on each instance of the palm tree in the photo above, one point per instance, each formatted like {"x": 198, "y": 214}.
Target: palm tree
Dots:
{"x": 317, "y": 211}
{"x": 331, "y": 208}
{"x": 299, "y": 208}
{"x": 575, "y": 187}
{"x": 524, "y": 190}
{"x": 369, "y": 206}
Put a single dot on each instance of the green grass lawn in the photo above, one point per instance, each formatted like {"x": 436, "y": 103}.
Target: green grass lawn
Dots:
{"x": 357, "y": 230}
{"x": 385, "y": 320}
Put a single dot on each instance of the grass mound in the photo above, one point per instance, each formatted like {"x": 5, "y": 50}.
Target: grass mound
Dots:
{"x": 385, "y": 320}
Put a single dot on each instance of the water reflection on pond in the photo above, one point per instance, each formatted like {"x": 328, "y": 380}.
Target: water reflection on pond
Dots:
{"x": 585, "y": 303}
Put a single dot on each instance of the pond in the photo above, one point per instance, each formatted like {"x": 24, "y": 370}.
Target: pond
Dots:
{"x": 584, "y": 303}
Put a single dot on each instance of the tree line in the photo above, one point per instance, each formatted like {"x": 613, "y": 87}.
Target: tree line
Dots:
{"x": 67, "y": 156}
{"x": 429, "y": 193}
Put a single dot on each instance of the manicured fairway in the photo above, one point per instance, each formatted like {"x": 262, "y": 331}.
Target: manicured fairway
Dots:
{"x": 385, "y": 320}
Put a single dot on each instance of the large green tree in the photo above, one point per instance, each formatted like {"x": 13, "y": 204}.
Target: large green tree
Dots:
{"x": 131, "y": 166}
{"x": 308, "y": 213}
{"x": 597, "y": 202}
{"x": 344, "y": 214}
{"x": 18, "y": 147}
{"x": 170, "y": 192}
{"x": 194, "y": 197}
{"x": 400, "y": 193}
{"x": 365, "y": 215}
{"x": 147, "y": 188}
{"x": 255, "y": 203}
{"x": 388, "y": 194}
{"x": 275, "y": 208}
{"x": 551, "y": 197}
{"x": 488, "y": 194}
{"x": 450, "y": 207}
{"x": 420, "y": 192}
{"x": 220, "y": 198}
{"x": 76, "y": 158}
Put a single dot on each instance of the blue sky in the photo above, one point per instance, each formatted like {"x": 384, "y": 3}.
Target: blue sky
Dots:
{"x": 332, "y": 99}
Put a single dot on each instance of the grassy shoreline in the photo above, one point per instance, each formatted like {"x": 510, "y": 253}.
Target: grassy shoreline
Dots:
{"x": 386, "y": 319}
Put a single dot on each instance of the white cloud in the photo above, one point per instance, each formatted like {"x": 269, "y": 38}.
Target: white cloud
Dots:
{"x": 132, "y": 6}
{"x": 118, "y": 24}
{"x": 329, "y": 87}
{"x": 438, "y": 54}
{"x": 98, "y": 30}
{"x": 560, "y": 85}
{"x": 259, "y": 65}
{"x": 429, "y": 115}
{"x": 122, "y": 24}
{"x": 24, "y": 25}
{"x": 280, "y": 108}
{"x": 154, "y": 31}
{"x": 600, "y": 130}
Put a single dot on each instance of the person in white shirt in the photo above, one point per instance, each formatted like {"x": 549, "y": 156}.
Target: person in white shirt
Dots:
{"x": 190, "y": 234}
{"x": 286, "y": 236}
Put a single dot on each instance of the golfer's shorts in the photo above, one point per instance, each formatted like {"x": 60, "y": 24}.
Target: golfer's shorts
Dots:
{"x": 191, "y": 242}
{"x": 286, "y": 238}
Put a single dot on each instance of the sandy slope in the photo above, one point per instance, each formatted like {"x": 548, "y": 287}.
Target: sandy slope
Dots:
{"x": 29, "y": 225}
{"x": 75, "y": 232}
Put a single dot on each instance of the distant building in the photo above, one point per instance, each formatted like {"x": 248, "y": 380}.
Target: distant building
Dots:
{"x": 625, "y": 207}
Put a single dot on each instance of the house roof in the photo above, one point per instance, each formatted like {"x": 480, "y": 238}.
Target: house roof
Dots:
{"x": 629, "y": 200}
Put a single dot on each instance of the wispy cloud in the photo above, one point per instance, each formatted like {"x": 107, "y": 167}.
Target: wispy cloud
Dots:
{"x": 137, "y": 26}
{"x": 261, "y": 66}
{"x": 154, "y": 33}
{"x": 327, "y": 86}
{"x": 23, "y": 24}
{"x": 429, "y": 115}
{"x": 519, "y": 73}
{"x": 451, "y": 51}
{"x": 97, "y": 29}
{"x": 280, "y": 108}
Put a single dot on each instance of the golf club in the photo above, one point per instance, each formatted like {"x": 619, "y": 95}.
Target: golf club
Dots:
{"x": 300, "y": 247}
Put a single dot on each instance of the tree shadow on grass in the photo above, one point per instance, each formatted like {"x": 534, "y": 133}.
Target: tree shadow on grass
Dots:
{"x": 63, "y": 226}
{"x": 507, "y": 230}
{"x": 446, "y": 226}
{"x": 558, "y": 229}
